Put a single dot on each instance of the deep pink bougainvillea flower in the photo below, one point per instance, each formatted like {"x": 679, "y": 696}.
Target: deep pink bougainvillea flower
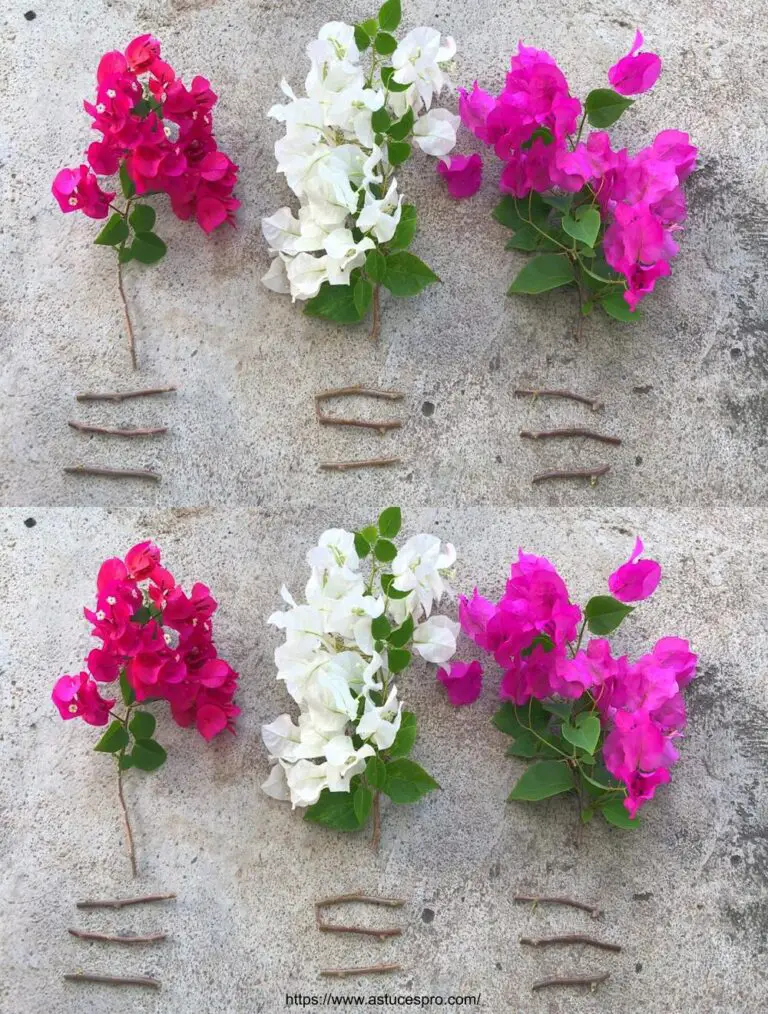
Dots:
{"x": 79, "y": 190}
{"x": 636, "y": 579}
{"x": 78, "y": 697}
{"x": 463, "y": 174}
{"x": 463, "y": 682}
{"x": 636, "y": 72}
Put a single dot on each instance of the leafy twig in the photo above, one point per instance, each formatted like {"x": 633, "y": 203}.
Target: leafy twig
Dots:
{"x": 547, "y": 899}
{"x": 128, "y": 324}
{"x": 340, "y": 973}
{"x": 114, "y": 473}
{"x": 545, "y": 392}
{"x": 113, "y": 980}
{"x": 124, "y": 902}
{"x": 114, "y": 431}
{"x": 572, "y": 431}
{"x": 573, "y": 473}
{"x": 110, "y": 938}
{"x": 123, "y": 395}
{"x": 344, "y": 466}
{"x": 570, "y": 938}
{"x": 572, "y": 980}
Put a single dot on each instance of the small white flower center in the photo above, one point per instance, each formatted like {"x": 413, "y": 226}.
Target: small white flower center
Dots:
{"x": 72, "y": 202}
{"x": 111, "y": 93}
{"x": 100, "y": 615}
{"x": 100, "y": 107}
{"x": 111, "y": 600}
{"x": 72, "y": 709}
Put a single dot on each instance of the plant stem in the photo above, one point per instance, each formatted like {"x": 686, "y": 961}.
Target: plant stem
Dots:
{"x": 123, "y": 902}
{"x": 128, "y": 324}
{"x": 537, "y": 899}
{"x": 374, "y": 334}
{"x": 376, "y": 832}
{"x": 570, "y": 938}
{"x": 113, "y": 431}
{"x": 572, "y": 980}
{"x": 110, "y": 938}
{"x": 340, "y": 973}
{"x": 358, "y": 896}
{"x": 113, "y": 980}
{"x": 122, "y": 395}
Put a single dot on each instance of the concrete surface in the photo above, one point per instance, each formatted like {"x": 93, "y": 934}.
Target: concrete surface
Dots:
{"x": 241, "y": 499}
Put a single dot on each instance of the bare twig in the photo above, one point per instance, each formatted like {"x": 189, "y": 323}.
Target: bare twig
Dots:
{"x": 380, "y": 934}
{"x": 128, "y": 324}
{"x": 546, "y": 899}
{"x": 126, "y": 821}
{"x": 363, "y": 392}
{"x": 344, "y": 466}
{"x": 124, "y": 902}
{"x": 127, "y": 938}
{"x": 376, "y": 832}
{"x": 570, "y": 938}
{"x": 113, "y": 431}
{"x": 573, "y": 473}
{"x": 359, "y": 897}
{"x": 572, "y": 980}
{"x": 114, "y": 473}
{"x": 340, "y": 973}
{"x": 546, "y": 392}
{"x": 113, "y": 980}
{"x": 122, "y": 395}
{"x": 382, "y": 425}
{"x": 374, "y": 335}
{"x": 571, "y": 431}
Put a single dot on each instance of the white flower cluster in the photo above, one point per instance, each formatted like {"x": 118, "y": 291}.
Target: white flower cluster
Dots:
{"x": 331, "y": 667}
{"x": 332, "y": 162}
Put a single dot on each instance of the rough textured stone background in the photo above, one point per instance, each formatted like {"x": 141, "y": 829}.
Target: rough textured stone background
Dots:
{"x": 241, "y": 499}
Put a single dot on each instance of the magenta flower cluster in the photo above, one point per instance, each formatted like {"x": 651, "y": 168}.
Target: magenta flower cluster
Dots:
{"x": 535, "y": 634}
{"x": 161, "y": 132}
{"x": 159, "y": 640}
{"x": 535, "y": 127}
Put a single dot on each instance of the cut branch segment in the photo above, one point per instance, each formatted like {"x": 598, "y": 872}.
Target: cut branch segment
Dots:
{"x": 573, "y": 473}
{"x": 548, "y": 899}
{"x": 112, "y": 473}
{"x": 570, "y": 938}
{"x": 572, "y": 431}
{"x": 572, "y": 980}
{"x": 548, "y": 392}
{"x": 340, "y": 973}
{"x": 124, "y": 902}
{"x": 115, "y": 431}
{"x": 345, "y": 466}
{"x": 122, "y": 395}
{"x": 119, "y": 938}
{"x": 113, "y": 980}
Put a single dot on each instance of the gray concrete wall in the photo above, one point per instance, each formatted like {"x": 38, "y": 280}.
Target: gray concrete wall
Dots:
{"x": 241, "y": 499}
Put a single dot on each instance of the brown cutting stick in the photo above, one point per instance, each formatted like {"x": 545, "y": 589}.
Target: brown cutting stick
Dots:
{"x": 342, "y": 899}
{"x": 572, "y": 431}
{"x": 572, "y": 980}
{"x": 570, "y": 938}
{"x": 128, "y": 938}
{"x": 123, "y": 902}
{"x": 380, "y": 934}
{"x": 547, "y": 392}
{"x": 113, "y": 431}
{"x": 358, "y": 389}
{"x": 340, "y": 973}
{"x": 113, "y": 980}
{"x": 573, "y": 473}
{"x": 546, "y": 899}
{"x": 357, "y": 896}
{"x": 122, "y": 395}
{"x": 345, "y": 466}
{"x": 112, "y": 473}
{"x": 382, "y": 425}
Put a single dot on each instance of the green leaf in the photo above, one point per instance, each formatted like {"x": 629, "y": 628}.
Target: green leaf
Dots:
{"x": 362, "y": 38}
{"x": 406, "y": 735}
{"x": 506, "y": 720}
{"x": 506, "y": 212}
{"x": 526, "y": 238}
{"x": 148, "y": 248}
{"x": 362, "y": 800}
{"x": 376, "y": 771}
{"x": 541, "y": 780}
{"x": 335, "y": 810}
{"x": 543, "y": 641}
{"x": 542, "y": 134}
{"x": 604, "y": 613}
{"x": 362, "y": 294}
{"x": 381, "y": 628}
{"x": 604, "y": 106}
{"x": 400, "y": 130}
{"x": 548, "y": 271}
{"x": 380, "y": 120}
{"x": 370, "y": 27}
{"x": 615, "y": 305}
{"x": 526, "y": 745}
{"x": 562, "y": 709}
{"x": 407, "y": 275}
{"x": 389, "y": 15}
{"x": 334, "y": 302}
{"x": 398, "y": 152}
{"x": 115, "y": 738}
{"x": 560, "y": 202}
{"x": 376, "y": 265}
{"x": 400, "y": 637}
{"x": 142, "y": 218}
{"x": 389, "y": 588}
{"x": 388, "y": 79}
{"x": 142, "y": 725}
{"x": 385, "y": 551}
{"x": 125, "y": 761}
{"x": 126, "y": 183}
{"x": 583, "y": 732}
{"x": 397, "y": 659}
{"x": 385, "y": 43}
{"x": 147, "y": 754}
{"x": 390, "y": 521}
{"x": 407, "y": 781}
{"x": 124, "y": 254}
{"x": 583, "y": 225}
{"x": 406, "y": 228}
{"x": 114, "y": 233}
{"x": 126, "y": 689}
{"x": 362, "y": 545}
{"x": 615, "y": 813}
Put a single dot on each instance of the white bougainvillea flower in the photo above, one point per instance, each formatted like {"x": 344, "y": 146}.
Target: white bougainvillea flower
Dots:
{"x": 282, "y": 738}
{"x": 281, "y": 231}
{"x": 420, "y": 566}
{"x": 276, "y": 785}
{"x": 435, "y": 639}
{"x": 435, "y": 132}
{"x": 276, "y": 278}
{"x": 381, "y": 724}
{"x": 305, "y": 781}
{"x": 306, "y": 274}
{"x": 381, "y": 217}
{"x": 335, "y": 548}
{"x": 417, "y": 61}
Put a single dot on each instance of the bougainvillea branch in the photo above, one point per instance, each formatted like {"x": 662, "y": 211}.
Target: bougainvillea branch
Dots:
{"x": 343, "y": 648}
{"x": 156, "y": 644}
{"x": 592, "y": 724}
{"x": 157, "y": 137}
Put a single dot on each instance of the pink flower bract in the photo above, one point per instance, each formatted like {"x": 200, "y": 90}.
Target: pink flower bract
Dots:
{"x": 463, "y": 174}
{"x": 463, "y": 682}
{"x": 636, "y": 579}
{"x": 636, "y": 72}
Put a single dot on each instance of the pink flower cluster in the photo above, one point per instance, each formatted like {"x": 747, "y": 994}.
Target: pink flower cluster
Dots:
{"x": 532, "y": 127}
{"x": 161, "y": 131}
{"x": 532, "y": 634}
{"x": 161, "y": 638}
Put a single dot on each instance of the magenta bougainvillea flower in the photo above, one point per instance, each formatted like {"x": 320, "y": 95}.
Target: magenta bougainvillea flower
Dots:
{"x": 79, "y": 190}
{"x": 463, "y": 174}
{"x": 79, "y": 697}
{"x": 463, "y": 682}
{"x": 592, "y": 721}
{"x": 636, "y": 72}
